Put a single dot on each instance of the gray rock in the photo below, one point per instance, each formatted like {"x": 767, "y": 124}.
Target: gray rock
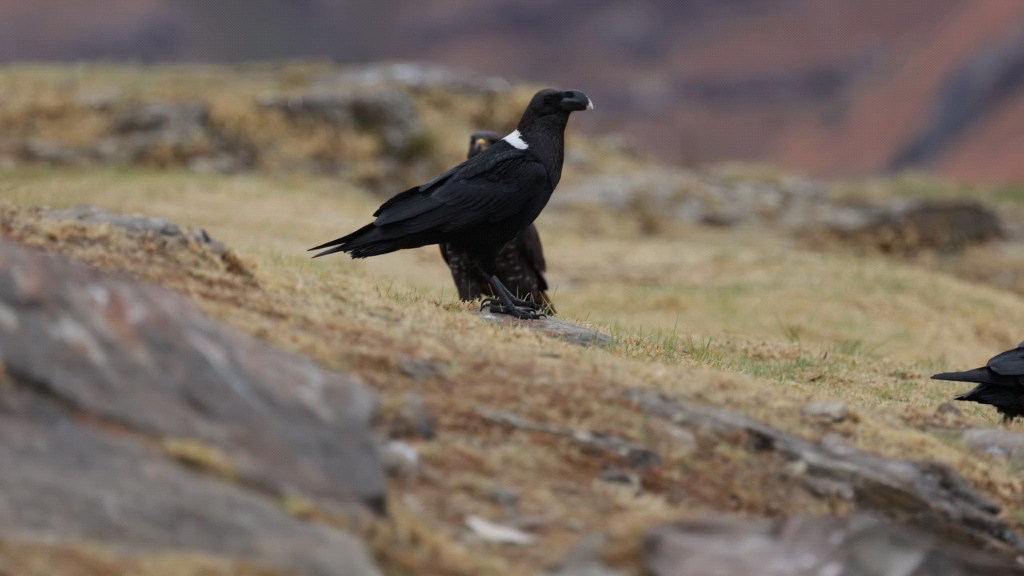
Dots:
{"x": 504, "y": 495}
{"x": 930, "y": 495}
{"x": 180, "y": 121}
{"x": 584, "y": 559}
{"x": 148, "y": 360}
{"x": 400, "y": 459}
{"x": 137, "y": 134}
{"x": 613, "y": 475}
{"x": 415, "y": 419}
{"x": 421, "y": 369}
{"x": 698, "y": 198}
{"x": 908, "y": 226}
{"x": 390, "y": 114}
{"x": 553, "y": 327}
{"x": 948, "y": 408}
{"x": 64, "y": 480}
{"x": 1002, "y": 443}
{"x": 133, "y": 223}
{"x": 48, "y": 153}
{"x": 415, "y": 76}
{"x": 633, "y": 455}
{"x": 809, "y": 546}
{"x": 794, "y": 205}
{"x": 829, "y": 411}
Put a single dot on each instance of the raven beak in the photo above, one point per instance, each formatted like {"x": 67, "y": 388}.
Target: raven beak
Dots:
{"x": 573, "y": 100}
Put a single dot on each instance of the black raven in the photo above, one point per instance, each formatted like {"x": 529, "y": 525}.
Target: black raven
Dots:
{"x": 520, "y": 262}
{"x": 999, "y": 383}
{"x": 481, "y": 204}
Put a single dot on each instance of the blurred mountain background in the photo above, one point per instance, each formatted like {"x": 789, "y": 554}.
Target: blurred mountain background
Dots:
{"x": 833, "y": 88}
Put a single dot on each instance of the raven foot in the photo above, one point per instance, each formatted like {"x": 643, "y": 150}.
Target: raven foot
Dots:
{"x": 496, "y": 306}
{"x": 528, "y": 304}
{"x": 504, "y": 302}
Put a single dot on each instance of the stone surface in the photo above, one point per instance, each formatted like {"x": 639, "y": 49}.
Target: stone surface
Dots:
{"x": 390, "y": 114}
{"x": 145, "y": 359}
{"x": 930, "y": 495}
{"x": 795, "y": 205}
{"x": 497, "y": 533}
{"x": 553, "y": 327}
{"x": 1002, "y": 443}
{"x": 172, "y": 133}
{"x": 415, "y": 76}
{"x": 632, "y": 454}
{"x": 809, "y": 546}
{"x": 829, "y": 411}
{"x": 584, "y": 559}
{"x": 909, "y": 226}
{"x": 132, "y": 223}
{"x": 62, "y": 480}
{"x": 414, "y": 419}
{"x": 949, "y": 408}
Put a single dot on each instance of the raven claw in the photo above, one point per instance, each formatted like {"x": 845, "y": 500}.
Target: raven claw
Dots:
{"x": 495, "y": 306}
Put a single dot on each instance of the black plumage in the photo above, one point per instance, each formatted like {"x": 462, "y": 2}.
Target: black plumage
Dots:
{"x": 481, "y": 204}
{"x": 520, "y": 263}
{"x": 1000, "y": 383}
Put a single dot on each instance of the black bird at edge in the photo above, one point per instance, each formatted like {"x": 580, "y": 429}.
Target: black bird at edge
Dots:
{"x": 481, "y": 204}
{"x": 520, "y": 262}
{"x": 1000, "y": 383}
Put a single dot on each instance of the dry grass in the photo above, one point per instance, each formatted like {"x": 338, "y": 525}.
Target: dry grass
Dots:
{"x": 738, "y": 319}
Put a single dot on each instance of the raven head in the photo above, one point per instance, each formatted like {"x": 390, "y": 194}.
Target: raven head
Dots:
{"x": 552, "y": 101}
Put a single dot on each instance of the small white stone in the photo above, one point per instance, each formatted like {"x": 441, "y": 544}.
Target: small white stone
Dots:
{"x": 498, "y": 534}
{"x": 834, "y": 411}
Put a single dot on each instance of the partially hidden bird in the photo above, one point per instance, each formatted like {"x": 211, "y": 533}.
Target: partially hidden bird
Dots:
{"x": 481, "y": 204}
{"x": 1000, "y": 383}
{"x": 520, "y": 263}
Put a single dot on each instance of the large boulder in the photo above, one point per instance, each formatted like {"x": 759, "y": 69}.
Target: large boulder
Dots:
{"x": 103, "y": 370}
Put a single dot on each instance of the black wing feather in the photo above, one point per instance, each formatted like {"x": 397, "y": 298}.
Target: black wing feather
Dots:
{"x": 532, "y": 253}
{"x": 1009, "y": 363}
{"x": 489, "y": 187}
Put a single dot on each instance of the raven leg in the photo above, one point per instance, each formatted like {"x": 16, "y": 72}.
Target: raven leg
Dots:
{"x": 505, "y": 303}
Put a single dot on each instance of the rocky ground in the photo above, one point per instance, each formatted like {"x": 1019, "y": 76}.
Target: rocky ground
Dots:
{"x": 741, "y": 362}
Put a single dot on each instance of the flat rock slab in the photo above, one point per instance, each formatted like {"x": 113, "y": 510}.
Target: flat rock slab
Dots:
{"x": 144, "y": 363}
{"x": 996, "y": 442}
{"x": 810, "y": 546}
{"x": 930, "y": 495}
{"x": 62, "y": 481}
{"x": 553, "y": 327}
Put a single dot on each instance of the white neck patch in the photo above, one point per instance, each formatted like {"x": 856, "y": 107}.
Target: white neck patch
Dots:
{"x": 516, "y": 140}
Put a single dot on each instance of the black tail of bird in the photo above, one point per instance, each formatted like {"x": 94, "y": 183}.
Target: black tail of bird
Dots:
{"x": 368, "y": 241}
{"x": 977, "y": 376}
{"x": 1003, "y": 392}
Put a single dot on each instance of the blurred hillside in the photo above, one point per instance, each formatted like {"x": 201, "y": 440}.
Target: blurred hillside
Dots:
{"x": 829, "y": 87}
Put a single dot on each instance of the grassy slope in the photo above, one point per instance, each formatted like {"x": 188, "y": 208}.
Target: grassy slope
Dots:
{"x": 731, "y": 318}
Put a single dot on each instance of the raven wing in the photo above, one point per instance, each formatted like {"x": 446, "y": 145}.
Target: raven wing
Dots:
{"x": 532, "y": 252}
{"x": 486, "y": 188}
{"x": 1009, "y": 363}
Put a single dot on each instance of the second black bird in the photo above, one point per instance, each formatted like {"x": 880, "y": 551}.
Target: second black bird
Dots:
{"x": 481, "y": 204}
{"x": 1000, "y": 383}
{"x": 520, "y": 263}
